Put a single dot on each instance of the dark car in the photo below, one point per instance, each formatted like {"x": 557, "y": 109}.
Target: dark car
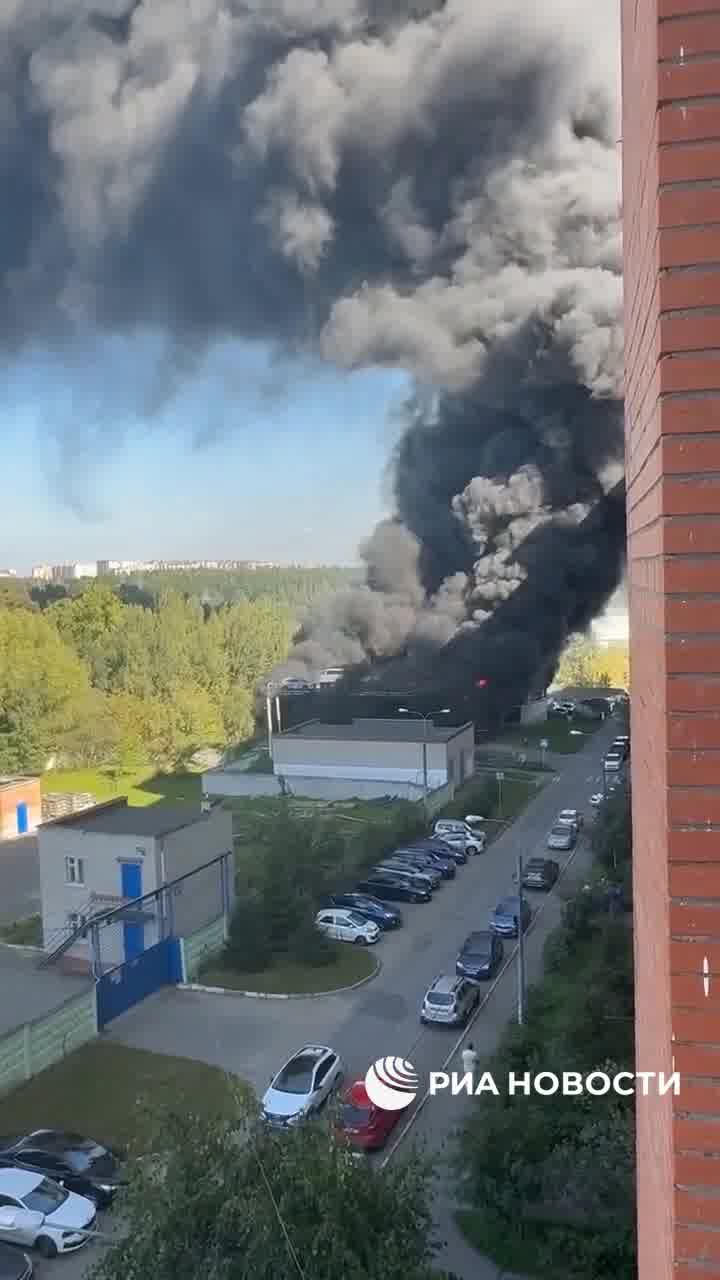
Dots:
{"x": 504, "y": 919}
{"x": 388, "y": 888}
{"x": 422, "y": 879}
{"x": 14, "y": 1265}
{"x": 443, "y": 862}
{"x": 425, "y": 861}
{"x": 540, "y": 873}
{"x": 380, "y": 913}
{"x": 479, "y": 956}
{"x": 77, "y": 1164}
{"x": 436, "y": 845}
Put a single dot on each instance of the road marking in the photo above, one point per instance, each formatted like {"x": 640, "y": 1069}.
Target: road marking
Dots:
{"x": 501, "y": 973}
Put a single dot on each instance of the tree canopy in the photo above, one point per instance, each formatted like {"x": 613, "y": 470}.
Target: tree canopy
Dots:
{"x": 91, "y": 679}
{"x": 233, "y": 1201}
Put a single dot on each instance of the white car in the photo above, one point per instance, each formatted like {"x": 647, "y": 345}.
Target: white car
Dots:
{"x": 302, "y": 1086}
{"x": 569, "y": 818}
{"x": 596, "y": 799}
{"x": 347, "y": 926}
{"x": 39, "y": 1213}
{"x": 612, "y": 762}
{"x": 456, "y": 832}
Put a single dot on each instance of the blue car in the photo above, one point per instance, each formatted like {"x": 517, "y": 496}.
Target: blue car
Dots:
{"x": 504, "y": 919}
{"x": 380, "y": 913}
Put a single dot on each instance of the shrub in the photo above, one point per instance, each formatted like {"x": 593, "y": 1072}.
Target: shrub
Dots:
{"x": 248, "y": 946}
{"x": 309, "y": 946}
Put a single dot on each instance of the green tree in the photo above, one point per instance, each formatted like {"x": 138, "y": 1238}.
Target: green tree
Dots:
{"x": 229, "y": 1200}
{"x": 43, "y": 686}
{"x": 87, "y": 623}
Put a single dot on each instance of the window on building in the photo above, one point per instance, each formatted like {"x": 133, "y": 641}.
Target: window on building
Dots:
{"x": 74, "y": 870}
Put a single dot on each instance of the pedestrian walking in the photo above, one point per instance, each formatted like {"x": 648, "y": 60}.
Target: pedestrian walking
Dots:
{"x": 469, "y": 1059}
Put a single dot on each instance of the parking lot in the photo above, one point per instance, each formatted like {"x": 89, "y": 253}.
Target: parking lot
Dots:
{"x": 252, "y": 1037}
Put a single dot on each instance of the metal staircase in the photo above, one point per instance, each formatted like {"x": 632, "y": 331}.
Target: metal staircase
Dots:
{"x": 63, "y": 939}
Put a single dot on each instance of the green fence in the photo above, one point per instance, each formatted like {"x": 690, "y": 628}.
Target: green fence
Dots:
{"x": 201, "y": 946}
{"x": 38, "y": 1044}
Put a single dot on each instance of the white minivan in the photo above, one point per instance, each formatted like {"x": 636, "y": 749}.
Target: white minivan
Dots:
{"x": 347, "y": 926}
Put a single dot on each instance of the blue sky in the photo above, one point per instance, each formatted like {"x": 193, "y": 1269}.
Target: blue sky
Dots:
{"x": 117, "y": 450}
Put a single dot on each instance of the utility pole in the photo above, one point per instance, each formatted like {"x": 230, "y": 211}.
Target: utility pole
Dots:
{"x": 521, "y": 947}
{"x": 425, "y": 770}
{"x": 500, "y": 777}
{"x": 268, "y": 711}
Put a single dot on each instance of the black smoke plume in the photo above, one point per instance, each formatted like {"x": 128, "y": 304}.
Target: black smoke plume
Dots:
{"x": 417, "y": 185}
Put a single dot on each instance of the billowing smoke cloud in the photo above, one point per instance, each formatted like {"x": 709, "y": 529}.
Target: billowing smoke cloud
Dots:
{"x": 430, "y": 186}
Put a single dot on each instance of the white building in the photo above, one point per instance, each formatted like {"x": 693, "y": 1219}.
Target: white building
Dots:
{"x": 364, "y": 758}
{"x": 96, "y": 860}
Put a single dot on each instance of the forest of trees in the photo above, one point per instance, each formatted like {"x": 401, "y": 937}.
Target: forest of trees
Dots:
{"x": 90, "y": 679}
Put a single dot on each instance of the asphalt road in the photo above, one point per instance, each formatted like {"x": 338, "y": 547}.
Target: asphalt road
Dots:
{"x": 252, "y": 1037}
{"x": 19, "y": 878}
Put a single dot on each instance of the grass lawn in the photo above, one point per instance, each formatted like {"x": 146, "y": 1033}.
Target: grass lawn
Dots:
{"x": 558, "y": 733}
{"x": 351, "y": 965}
{"x": 23, "y": 933}
{"x": 96, "y": 1091}
{"x": 142, "y": 786}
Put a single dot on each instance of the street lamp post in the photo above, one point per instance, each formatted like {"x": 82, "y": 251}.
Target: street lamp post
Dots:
{"x": 268, "y": 711}
{"x": 443, "y": 711}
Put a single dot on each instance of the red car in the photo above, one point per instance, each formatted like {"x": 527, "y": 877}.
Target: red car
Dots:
{"x": 360, "y": 1123}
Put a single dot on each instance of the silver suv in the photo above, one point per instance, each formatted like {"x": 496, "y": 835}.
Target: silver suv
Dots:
{"x": 450, "y": 1000}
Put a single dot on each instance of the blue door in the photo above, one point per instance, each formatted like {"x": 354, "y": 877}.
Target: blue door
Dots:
{"x": 21, "y": 812}
{"x": 131, "y": 887}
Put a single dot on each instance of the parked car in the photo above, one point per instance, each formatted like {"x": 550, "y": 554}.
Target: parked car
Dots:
{"x": 540, "y": 873}
{"x": 419, "y": 862}
{"x": 570, "y": 818}
{"x": 622, "y": 746}
{"x": 78, "y": 1164}
{"x": 504, "y": 919}
{"x": 372, "y": 908}
{"x": 446, "y": 850}
{"x": 14, "y": 1265}
{"x": 347, "y": 926}
{"x": 38, "y": 1213}
{"x": 612, "y": 761}
{"x": 360, "y": 1123}
{"x": 455, "y": 831}
{"x": 295, "y": 684}
{"x": 562, "y": 839}
{"x": 303, "y": 1085}
{"x": 449, "y": 1000}
{"x": 389, "y": 888}
{"x": 596, "y": 799}
{"x": 441, "y": 862}
{"x": 480, "y": 956}
{"x": 414, "y": 877}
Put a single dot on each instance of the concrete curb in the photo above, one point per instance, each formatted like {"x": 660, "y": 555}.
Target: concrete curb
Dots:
{"x": 23, "y": 946}
{"x": 273, "y": 995}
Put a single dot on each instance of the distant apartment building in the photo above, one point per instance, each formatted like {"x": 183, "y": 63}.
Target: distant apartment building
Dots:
{"x": 41, "y": 572}
{"x": 8, "y": 573}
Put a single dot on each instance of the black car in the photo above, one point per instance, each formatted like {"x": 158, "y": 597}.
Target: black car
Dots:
{"x": 440, "y": 861}
{"x": 77, "y": 1163}
{"x": 14, "y": 1265}
{"x": 479, "y": 956}
{"x": 435, "y": 845}
{"x": 383, "y": 916}
{"x": 388, "y": 888}
{"x": 540, "y": 873}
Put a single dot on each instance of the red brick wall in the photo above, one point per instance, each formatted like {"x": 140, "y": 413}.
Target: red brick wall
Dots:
{"x": 671, "y": 217}
{"x": 24, "y": 791}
